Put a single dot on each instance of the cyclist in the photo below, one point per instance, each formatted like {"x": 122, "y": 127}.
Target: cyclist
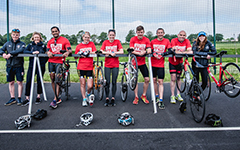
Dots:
{"x": 111, "y": 47}
{"x": 54, "y": 46}
{"x": 202, "y": 47}
{"x": 85, "y": 67}
{"x": 140, "y": 44}
{"x": 159, "y": 47}
{"x": 180, "y": 45}
{"x": 35, "y": 47}
{"x": 14, "y": 65}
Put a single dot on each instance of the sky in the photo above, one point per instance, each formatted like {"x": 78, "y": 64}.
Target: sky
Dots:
{"x": 95, "y": 16}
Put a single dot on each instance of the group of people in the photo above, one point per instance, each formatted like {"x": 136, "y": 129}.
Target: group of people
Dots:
{"x": 141, "y": 45}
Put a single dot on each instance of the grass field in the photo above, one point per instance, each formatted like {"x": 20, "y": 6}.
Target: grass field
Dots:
{"x": 232, "y": 48}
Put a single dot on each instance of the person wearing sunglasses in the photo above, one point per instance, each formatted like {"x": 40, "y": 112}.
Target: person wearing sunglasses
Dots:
{"x": 54, "y": 46}
{"x": 14, "y": 66}
{"x": 35, "y": 47}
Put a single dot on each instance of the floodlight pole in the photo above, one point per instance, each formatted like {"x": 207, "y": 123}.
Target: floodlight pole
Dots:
{"x": 214, "y": 33}
{"x": 7, "y": 20}
{"x": 113, "y": 19}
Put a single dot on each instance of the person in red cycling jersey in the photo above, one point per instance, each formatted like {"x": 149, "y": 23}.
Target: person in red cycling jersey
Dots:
{"x": 141, "y": 46}
{"x": 54, "y": 46}
{"x": 111, "y": 47}
{"x": 180, "y": 45}
{"x": 85, "y": 68}
{"x": 159, "y": 47}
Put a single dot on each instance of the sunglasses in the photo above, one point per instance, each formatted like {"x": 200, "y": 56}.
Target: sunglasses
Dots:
{"x": 16, "y": 30}
{"x": 55, "y": 42}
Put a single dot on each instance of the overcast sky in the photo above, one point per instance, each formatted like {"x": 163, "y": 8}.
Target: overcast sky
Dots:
{"x": 96, "y": 16}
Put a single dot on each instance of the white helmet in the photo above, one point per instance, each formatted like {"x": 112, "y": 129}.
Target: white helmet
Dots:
{"x": 23, "y": 121}
{"x": 126, "y": 119}
{"x": 85, "y": 119}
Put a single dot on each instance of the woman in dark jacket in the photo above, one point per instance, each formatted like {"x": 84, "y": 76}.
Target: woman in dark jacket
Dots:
{"x": 35, "y": 47}
{"x": 202, "y": 47}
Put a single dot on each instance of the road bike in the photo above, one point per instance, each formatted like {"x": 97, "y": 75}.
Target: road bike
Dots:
{"x": 130, "y": 74}
{"x": 229, "y": 78}
{"x": 62, "y": 78}
{"x": 192, "y": 91}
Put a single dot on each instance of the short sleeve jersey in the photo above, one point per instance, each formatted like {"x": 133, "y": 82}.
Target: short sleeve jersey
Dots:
{"x": 85, "y": 63}
{"x": 140, "y": 45}
{"x": 111, "y": 62}
{"x": 180, "y": 46}
{"x": 159, "y": 47}
{"x": 62, "y": 43}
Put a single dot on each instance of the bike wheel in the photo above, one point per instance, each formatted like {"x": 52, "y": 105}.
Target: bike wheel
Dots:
{"x": 197, "y": 102}
{"x": 100, "y": 83}
{"x": 59, "y": 82}
{"x": 183, "y": 80}
{"x": 124, "y": 88}
{"x": 67, "y": 85}
{"x": 207, "y": 90}
{"x": 230, "y": 75}
{"x": 133, "y": 72}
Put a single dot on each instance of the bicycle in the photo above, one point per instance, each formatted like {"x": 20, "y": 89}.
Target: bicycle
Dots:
{"x": 130, "y": 74}
{"x": 98, "y": 77}
{"x": 192, "y": 91}
{"x": 62, "y": 78}
{"x": 229, "y": 79}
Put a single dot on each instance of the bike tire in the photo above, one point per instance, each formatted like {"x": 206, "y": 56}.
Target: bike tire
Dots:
{"x": 100, "y": 83}
{"x": 58, "y": 81}
{"x": 231, "y": 86}
{"x": 197, "y": 102}
{"x": 124, "y": 88}
{"x": 133, "y": 72}
{"x": 67, "y": 86}
{"x": 207, "y": 90}
{"x": 182, "y": 77}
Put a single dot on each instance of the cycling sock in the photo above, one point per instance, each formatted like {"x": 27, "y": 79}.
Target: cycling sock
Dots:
{"x": 157, "y": 96}
{"x": 161, "y": 100}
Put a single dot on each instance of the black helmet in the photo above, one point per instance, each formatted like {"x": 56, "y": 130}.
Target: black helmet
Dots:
{"x": 23, "y": 121}
{"x": 214, "y": 120}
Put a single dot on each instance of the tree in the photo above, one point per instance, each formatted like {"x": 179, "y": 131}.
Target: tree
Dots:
{"x": 192, "y": 37}
{"x": 73, "y": 40}
{"x": 94, "y": 38}
{"x": 170, "y": 37}
{"x": 219, "y": 37}
{"x": 79, "y": 36}
{"x": 102, "y": 37}
{"x": 238, "y": 37}
{"x": 26, "y": 39}
{"x": 149, "y": 35}
{"x": 131, "y": 34}
{"x": 3, "y": 39}
{"x": 210, "y": 38}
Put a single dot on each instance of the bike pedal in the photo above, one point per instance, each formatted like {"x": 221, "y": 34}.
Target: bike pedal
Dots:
{"x": 217, "y": 91}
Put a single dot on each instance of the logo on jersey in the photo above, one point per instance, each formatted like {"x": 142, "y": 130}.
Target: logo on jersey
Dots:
{"x": 86, "y": 49}
{"x": 139, "y": 47}
{"x": 56, "y": 48}
{"x": 181, "y": 48}
{"x": 158, "y": 48}
{"x": 111, "y": 48}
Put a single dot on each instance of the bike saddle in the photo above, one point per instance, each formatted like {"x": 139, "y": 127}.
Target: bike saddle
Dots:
{"x": 198, "y": 65}
{"x": 221, "y": 53}
{"x": 130, "y": 50}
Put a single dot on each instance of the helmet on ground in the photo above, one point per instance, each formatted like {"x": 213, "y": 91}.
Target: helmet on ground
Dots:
{"x": 86, "y": 119}
{"x": 126, "y": 119}
{"x": 23, "y": 121}
{"x": 213, "y": 120}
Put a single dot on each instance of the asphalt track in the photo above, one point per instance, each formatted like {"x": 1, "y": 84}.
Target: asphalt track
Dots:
{"x": 168, "y": 129}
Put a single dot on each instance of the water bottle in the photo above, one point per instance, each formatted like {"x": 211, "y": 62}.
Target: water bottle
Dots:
{"x": 126, "y": 70}
{"x": 66, "y": 74}
{"x": 188, "y": 77}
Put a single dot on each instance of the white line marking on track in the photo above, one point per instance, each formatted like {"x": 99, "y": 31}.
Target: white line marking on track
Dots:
{"x": 122, "y": 130}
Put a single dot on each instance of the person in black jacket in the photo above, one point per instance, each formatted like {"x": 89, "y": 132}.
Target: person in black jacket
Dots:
{"x": 35, "y": 47}
{"x": 14, "y": 66}
{"x": 202, "y": 47}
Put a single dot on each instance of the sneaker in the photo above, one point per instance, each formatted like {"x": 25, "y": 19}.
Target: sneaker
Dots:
{"x": 25, "y": 102}
{"x": 87, "y": 96}
{"x": 19, "y": 101}
{"x": 84, "y": 102}
{"x": 144, "y": 99}
{"x": 91, "y": 99}
{"x": 157, "y": 100}
{"x": 161, "y": 105}
{"x": 38, "y": 100}
{"x": 10, "y": 102}
{"x": 59, "y": 101}
{"x": 135, "y": 101}
{"x": 172, "y": 100}
{"x": 106, "y": 103}
{"x": 113, "y": 102}
{"x": 179, "y": 98}
{"x": 53, "y": 104}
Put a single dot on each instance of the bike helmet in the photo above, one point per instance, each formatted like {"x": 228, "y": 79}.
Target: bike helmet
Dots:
{"x": 126, "y": 119}
{"x": 23, "y": 121}
{"x": 213, "y": 120}
{"x": 85, "y": 119}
